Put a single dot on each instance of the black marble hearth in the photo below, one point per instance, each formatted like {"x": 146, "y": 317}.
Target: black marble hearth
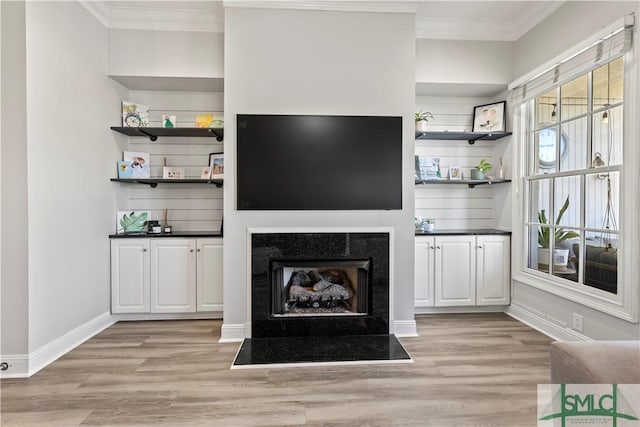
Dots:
{"x": 285, "y": 335}
{"x": 354, "y": 348}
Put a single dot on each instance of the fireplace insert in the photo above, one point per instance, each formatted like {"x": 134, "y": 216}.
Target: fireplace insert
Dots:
{"x": 334, "y": 287}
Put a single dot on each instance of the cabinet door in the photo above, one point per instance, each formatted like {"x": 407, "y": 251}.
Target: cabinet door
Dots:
{"x": 493, "y": 255}
{"x": 455, "y": 269}
{"x": 173, "y": 275}
{"x": 130, "y": 275}
{"x": 209, "y": 276}
{"x": 424, "y": 274}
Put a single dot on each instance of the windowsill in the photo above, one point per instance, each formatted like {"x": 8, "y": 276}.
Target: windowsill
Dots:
{"x": 559, "y": 288}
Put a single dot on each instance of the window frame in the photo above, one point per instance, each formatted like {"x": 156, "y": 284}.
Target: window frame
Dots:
{"x": 624, "y": 304}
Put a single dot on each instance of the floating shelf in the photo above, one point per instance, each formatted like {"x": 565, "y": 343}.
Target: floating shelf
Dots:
{"x": 470, "y": 182}
{"x": 153, "y": 182}
{"x": 154, "y": 133}
{"x": 470, "y": 137}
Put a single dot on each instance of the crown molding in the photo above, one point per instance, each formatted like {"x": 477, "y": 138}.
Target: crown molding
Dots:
{"x": 133, "y": 15}
{"x": 141, "y": 16}
{"x": 329, "y": 5}
{"x": 452, "y": 29}
{"x": 536, "y": 14}
{"x": 98, "y": 10}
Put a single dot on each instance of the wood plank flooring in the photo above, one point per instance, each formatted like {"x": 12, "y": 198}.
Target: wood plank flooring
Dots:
{"x": 470, "y": 370}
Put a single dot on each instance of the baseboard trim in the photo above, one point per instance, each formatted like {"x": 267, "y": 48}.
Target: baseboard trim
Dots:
{"x": 405, "y": 328}
{"x": 231, "y": 333}
{"x": 545, "y": 325}
{"x": 50, "y": 352}
{"x": 18, "y": 366}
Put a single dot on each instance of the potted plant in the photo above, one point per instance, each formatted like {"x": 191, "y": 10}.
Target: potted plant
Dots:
{"x": 560, "y": 255}
{"x": 479, "y": 171}
{"x": 422, "y": 117}
{"x": 428, "y": 224}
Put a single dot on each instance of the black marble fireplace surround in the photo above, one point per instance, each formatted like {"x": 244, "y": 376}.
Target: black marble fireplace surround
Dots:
{"x": 269, "y": 248}
{"x": 345, "y": 337}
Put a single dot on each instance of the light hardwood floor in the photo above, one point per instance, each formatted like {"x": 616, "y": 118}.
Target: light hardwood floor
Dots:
{"x": 469, "y": 370}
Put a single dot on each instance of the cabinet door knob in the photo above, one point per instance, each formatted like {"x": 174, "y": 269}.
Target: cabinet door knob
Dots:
{"x": 431, "y": 247}
{"x": 144, "y": 249}
{"x": 437, "y": 247}
{"x": 479, "y": 247}
{"x": 190, "y": 250}
{"x": 198, "y": 250}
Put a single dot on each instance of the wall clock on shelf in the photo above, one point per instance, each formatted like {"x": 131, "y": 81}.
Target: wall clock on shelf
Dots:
{"x": 547, "y": 141}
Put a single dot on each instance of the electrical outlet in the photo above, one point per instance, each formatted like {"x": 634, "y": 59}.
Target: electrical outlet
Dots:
{"x": 577, "y": 322}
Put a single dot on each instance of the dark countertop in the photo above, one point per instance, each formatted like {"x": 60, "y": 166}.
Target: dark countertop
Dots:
{"x": 462, "y": 232}
{"x": 174, "y": 234}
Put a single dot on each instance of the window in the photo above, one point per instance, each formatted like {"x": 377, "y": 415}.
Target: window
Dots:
{"x": 573, "y": 179}
{"x": 577, "y": 189}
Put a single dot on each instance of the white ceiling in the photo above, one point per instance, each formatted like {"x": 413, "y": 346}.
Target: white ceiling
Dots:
{"x": 458, "y": 20}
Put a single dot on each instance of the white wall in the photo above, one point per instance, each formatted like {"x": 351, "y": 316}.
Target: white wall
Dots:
{"x": 165, "y": 53}
{"x": 309, "y": 62}
{"x": 568, "y": 25}
{"x": 14, "y": 290}
{"x": 71, "y": 155}
{"x": 464, "y": 61}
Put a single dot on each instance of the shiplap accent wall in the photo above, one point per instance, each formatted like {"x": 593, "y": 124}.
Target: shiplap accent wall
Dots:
{"x": 455, "y": 206}
{"x": 191, "y": 207}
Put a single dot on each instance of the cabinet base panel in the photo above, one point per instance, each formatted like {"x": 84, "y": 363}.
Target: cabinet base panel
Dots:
{"x": 462, "y": 309}
{"x": 121, "y": 317}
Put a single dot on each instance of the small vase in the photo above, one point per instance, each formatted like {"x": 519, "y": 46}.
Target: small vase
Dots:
{"x": 421, "y": 126}
{"x": 428, "y": 227}
{"x": 476, "y": 174}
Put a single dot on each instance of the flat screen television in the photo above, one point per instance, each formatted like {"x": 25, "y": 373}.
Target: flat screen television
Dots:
{"x": 302, "y": 162}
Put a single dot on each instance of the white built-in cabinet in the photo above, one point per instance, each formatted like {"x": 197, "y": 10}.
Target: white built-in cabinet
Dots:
{"x": 166, "y": 275}
{"x": 462, "y": 270}
{"x": 130, "y": 276}
{"x": 173, "y": 275}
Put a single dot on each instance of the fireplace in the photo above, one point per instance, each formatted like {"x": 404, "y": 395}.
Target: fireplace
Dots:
{"x": 320, "y": 287}
{"x": 319, "y": 284}
{"x": 319, "y": 298}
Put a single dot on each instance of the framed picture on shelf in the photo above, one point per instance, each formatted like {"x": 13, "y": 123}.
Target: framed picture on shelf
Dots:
{"x": 124, "y": 169}
{"x": 455, "y": 172}
{"x": 206, "y": 173}
{"x": 172, "y": 173}
{"x": 134, "y": 115}
{"x": 140, "y": 164}
{"x": 168, "y": 121}
{"x": 131, "y": 221}
{"x": 490, "y": 117}
{"x": 427, "y": 168}
{"x": 216, "y": 163}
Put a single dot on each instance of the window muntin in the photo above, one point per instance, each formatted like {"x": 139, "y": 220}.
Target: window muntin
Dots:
{"x": 569, "y": 141}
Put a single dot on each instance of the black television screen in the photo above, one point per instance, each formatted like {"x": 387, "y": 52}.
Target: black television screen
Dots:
{"x": 295, "y": 162}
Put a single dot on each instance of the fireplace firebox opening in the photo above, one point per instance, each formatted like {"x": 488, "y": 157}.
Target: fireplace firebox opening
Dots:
{"x": 335, "y": 287}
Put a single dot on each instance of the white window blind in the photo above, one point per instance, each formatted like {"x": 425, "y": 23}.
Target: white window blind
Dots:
{"x": 606, "y": 49}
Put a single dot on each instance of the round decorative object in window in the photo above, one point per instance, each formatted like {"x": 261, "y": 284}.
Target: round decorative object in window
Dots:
{"x": 547, "y": 147}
